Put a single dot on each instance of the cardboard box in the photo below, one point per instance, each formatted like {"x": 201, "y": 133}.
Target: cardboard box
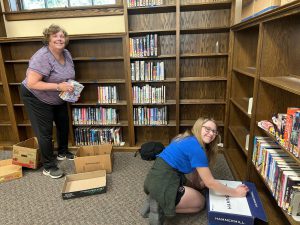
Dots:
{"x": 27, "y": 154}
{"x": 247, "y": 9}
{"x": 262, "y": 6}
{"x": 84, "y": 184}
{"x": 94, "y": 157}
{"x": 225, "y": 210}
{"x": 8, "y": 171}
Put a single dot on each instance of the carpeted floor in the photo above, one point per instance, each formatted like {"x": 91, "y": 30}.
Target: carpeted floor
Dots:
{"x": 36, "y": 199}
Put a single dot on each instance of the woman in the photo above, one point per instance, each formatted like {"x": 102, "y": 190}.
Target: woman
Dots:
{"x": 191, "y": 152}
{"x": 49, "y": 69}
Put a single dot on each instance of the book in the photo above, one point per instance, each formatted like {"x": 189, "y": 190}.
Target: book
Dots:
{"x": 250, "y": 103}
{"x": 72, "y": 96}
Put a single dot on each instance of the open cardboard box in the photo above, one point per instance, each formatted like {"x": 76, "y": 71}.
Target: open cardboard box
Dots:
{"x": 84, "y": 184}
{"x": 27, "y": 153}
{"x": 225, "y": 210}
{"x": 8, "y": 171}
{"x": 93, "y": 158}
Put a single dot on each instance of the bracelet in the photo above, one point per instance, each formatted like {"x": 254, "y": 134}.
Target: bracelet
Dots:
{"x": 57, "y": 88}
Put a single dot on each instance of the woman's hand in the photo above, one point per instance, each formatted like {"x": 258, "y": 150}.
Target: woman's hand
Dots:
{"x": 241, "y": 190}
{"x": 65, "y": 86}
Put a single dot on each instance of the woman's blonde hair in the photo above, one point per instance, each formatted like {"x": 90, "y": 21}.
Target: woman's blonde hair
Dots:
{"x": 53, "y": 29}
{"x": 211, "y": 149}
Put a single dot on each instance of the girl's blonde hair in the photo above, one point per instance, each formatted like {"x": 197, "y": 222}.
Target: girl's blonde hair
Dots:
{"x": 211, "y": 149}
{"x": 53, "y": 29}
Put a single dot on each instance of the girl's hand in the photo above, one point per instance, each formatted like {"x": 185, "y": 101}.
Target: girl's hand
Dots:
{"x": 241, "y": 190}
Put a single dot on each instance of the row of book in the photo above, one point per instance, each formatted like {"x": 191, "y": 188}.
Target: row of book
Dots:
{"x": 97, "y": 136}
{"x": 279, "y": 170}
{"x": 143, "y": 3}
{"x": 144, "y": 46}
{"x": 107, "y": 94}
{"x": 149, "y": 94}
{"x": 94, "y": 116}
{"x": 150, "y": 116}
{"x": 147, "y": 71}
{"x": 285, "y": 127}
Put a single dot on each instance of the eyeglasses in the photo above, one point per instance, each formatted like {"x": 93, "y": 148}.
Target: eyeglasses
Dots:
{"x": 208, "y": 129}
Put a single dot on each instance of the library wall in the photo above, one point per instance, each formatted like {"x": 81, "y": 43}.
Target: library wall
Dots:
{"x": 88, "y": 25}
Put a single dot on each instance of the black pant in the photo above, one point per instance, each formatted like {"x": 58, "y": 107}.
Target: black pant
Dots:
{"x": 41, "y": 116}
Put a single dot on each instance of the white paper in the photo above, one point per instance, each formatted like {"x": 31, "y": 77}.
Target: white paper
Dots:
{"x": 226, "y": 204}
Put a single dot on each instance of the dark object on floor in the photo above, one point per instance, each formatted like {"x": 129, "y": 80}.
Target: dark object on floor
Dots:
{"x": 150, "y": 150}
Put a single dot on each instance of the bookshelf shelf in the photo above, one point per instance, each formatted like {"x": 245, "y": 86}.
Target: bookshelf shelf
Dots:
{"x": 189, "y": 123}
{"x": 154, "y": 57}
{"x": 239, "y": 133}
{"x": 17, "y": 61}
{"x": 98, "y": 58}
{"x": 5, "y": 123}
{"x": 168, "y": 102}
{"x": 290, "y": 84}
{"x": 241, "y": 104}
{"x": 203, "y": 30}
{"x": 103, "y": 81}
{"x": 120, "y": 124}
{"x": 266, "y": 198}
{"x": 238, "y": 169}
{"x": 205, "y": 6}
{"x": 246, "y": 71}
{"x": 94, "y": 103}
{"x": 196, "y": 55}
{"x": 167, "y": 80}
{"x": 152, "y": 9}
{"x": 211, "y": 78}
{"x": 137, "y": 33}
{"x": 282, "y": 147}
{"x": 202, "y": 101}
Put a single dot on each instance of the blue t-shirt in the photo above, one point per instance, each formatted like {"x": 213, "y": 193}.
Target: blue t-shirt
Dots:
{"x": 185, "y": 155}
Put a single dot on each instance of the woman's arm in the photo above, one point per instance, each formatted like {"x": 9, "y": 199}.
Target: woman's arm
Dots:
{"x": 211, "y": 183}
{"x": 34, "y": 81}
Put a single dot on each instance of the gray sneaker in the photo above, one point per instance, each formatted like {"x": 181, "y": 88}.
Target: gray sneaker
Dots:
{"x": 53, "y": 172}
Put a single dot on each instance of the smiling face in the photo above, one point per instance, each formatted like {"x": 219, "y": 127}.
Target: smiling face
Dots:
{"x": 208, "y": 132}
{"x": 57, "y": 41}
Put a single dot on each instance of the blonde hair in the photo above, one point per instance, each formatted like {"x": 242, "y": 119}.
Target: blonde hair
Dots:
{"x": 211, "y": 149}
{"x": 53, "y": 29}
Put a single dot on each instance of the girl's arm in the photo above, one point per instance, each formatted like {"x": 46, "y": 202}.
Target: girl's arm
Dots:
{"x": 211, "y": 183}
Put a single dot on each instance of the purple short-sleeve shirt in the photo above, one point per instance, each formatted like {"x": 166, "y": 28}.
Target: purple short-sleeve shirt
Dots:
{"x": 44, "y": 63}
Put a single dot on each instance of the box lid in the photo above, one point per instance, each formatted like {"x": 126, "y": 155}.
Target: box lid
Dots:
{"x": 226, "y": 210}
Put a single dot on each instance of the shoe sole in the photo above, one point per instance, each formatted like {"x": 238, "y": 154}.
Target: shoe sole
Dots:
{"x": 60, "y": 158}
{"x": 49, "y": 175}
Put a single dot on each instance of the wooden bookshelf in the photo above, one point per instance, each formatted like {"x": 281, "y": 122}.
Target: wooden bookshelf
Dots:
{"x": 99, "y": 60}
{"x": 264, "y": 66}
{"x": 193, "y": 42}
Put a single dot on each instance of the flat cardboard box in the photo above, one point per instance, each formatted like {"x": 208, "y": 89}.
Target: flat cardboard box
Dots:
{"x": 225, "y": 210}
{"x": 84, "y": 184}
{"x": 8, "y": 171}
{"x": 27, "y": 153}
{"x": 93, "y": 158}
{"x": 262, "y": 6}
{"x": 247, "y": 9}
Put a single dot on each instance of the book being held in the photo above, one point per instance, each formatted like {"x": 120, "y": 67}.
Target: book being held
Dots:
{"x": 72, "y": 96}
